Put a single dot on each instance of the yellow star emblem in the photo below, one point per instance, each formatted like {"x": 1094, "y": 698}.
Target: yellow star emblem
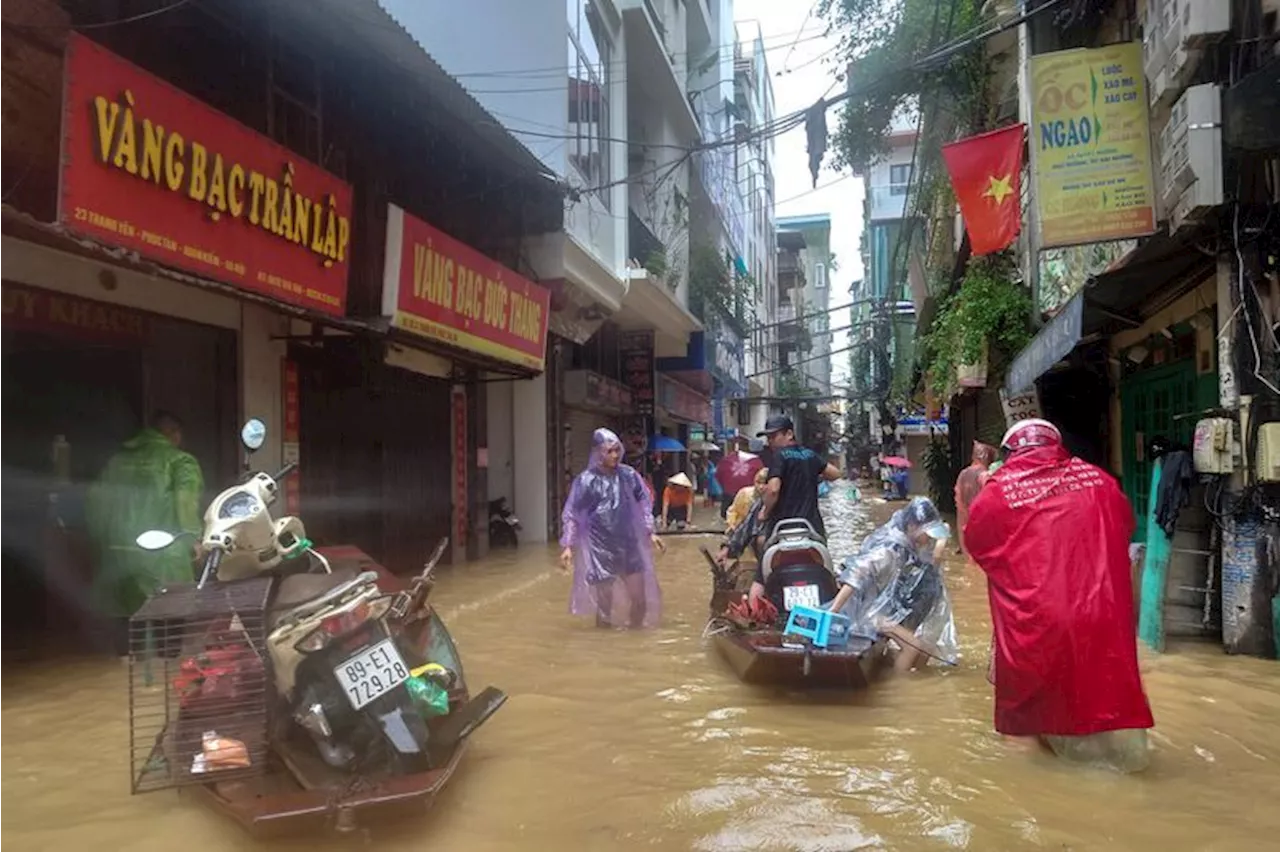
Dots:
{"x": 999, "y": 188}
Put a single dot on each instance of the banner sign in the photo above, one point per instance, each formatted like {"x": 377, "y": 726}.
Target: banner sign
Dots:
{"x": 460, "y": 456}
{"x": 725, "y": 357}
{"x": 1020, "y": 406}
{"x": 635, "y": 351}
{"x": 683, "y": 401}
{"x": 438, "y": 287}
{"x": 588, "y": 389}
{"x": 292, "y": 437}
{"x": 1091, "y": 145}
{"x": 151, "y": 169}
{"x": 60, "y": 315}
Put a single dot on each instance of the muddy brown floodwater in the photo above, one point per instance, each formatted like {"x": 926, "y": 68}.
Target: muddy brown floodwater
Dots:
{"x": 646, "y": 741}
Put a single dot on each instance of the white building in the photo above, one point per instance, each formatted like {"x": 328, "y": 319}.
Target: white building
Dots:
{"x": 887, "y": 183}
{"x": 754, "y": 223}
{"x": 599, "y": 91}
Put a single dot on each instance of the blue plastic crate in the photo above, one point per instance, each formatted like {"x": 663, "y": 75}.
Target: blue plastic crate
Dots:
{"x": 820, "y": 626}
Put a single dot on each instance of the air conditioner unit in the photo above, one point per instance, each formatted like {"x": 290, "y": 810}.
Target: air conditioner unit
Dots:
{"x": 1191, "y": 155}
{"x": 1195, "y": 23}
{"x": 1182, "y": 65}
{"x": 1159, "y": 93}
{"x": 1154, "y": 52}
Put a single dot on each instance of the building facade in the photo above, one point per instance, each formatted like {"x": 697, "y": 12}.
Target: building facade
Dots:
{"x": 757, "y": 229}
{"x": 189, "y": 235}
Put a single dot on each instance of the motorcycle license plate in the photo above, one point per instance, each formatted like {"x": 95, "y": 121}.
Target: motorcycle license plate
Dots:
{"x": 372, "y": 673}
{"x": 793, "y": 596}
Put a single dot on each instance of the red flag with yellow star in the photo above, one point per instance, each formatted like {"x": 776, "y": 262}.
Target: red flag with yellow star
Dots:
{"x": 986, "y": 174}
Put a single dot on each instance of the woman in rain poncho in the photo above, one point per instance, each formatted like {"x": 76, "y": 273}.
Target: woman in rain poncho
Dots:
{"x": 608, "y": 532}
{"x": 894, "y": 585}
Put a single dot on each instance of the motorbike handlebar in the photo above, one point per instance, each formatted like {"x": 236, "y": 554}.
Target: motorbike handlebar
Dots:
{"x": 285, "y": 471}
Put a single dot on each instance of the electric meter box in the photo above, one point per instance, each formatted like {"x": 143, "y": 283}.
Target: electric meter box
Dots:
{"x": 1211, "y": 447}
{"x": 1268, "y": 454}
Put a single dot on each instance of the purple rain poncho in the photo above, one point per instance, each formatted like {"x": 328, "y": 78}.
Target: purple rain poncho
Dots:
{"x": 608, "y": 521}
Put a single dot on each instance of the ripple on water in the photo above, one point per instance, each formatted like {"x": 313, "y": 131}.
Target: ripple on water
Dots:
{"x": 622, "y": 741}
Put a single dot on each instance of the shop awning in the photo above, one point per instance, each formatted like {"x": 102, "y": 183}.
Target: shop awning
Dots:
{"x": 1111, "y": 302}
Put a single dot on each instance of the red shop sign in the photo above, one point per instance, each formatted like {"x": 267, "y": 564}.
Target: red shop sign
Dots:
{"x": 441, "y": 288}
{"x": 150, "y": 168}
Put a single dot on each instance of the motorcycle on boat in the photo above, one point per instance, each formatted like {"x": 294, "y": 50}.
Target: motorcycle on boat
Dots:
{"x": 296, "y": 687}
{"x": 798, "y": 574}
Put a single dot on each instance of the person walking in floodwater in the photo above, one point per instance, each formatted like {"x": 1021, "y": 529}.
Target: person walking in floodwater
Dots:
{"x": 607, "y": 539}
{"x": 1051, "y": 532}
{"x": 968, "y": 483}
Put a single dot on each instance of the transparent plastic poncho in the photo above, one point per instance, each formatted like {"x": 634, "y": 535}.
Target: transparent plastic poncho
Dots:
{"x": 896, "y": 583}
{"x": 608, "y": 523}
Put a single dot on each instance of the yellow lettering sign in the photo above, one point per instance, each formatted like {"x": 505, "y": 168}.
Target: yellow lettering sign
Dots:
{"x": 142, "y": 148}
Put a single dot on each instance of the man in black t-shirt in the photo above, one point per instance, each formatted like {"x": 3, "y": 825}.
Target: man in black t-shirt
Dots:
{"x": 794, "y": 474}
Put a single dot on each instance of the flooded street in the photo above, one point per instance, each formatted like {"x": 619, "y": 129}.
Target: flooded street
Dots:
{"x": 646, "y": 741}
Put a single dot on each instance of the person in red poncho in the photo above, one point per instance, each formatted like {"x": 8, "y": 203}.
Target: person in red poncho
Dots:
{"x": 1052, "y": 532}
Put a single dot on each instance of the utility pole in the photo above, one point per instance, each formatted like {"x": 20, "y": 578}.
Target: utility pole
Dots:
{"x": 1031, "y": 231}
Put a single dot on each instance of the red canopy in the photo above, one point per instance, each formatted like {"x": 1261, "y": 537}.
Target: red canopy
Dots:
{"x": 1052, "y": 534}
{"x": 737, "y": 470}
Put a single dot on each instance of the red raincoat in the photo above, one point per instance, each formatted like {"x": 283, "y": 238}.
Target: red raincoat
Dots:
{"x": 1051, "y": 532}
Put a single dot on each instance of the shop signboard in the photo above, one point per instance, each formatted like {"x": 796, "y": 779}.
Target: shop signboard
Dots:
{"x": 724, "y": 356}
{"x": 1091, "y": 145}
{"x": 441, "y": 288}
{"x": 149, "y": 168}
{"x": 1020, "y": 406}
{"x": 918, "y": 425}
{"x": 684, "y": 402}
{"x": 60, "y": 315}
{"x": 589, "y": 389}
{"x": 635, "y": 351}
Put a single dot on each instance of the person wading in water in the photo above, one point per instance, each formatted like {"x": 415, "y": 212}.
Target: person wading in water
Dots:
{"x": 607, "y": 539}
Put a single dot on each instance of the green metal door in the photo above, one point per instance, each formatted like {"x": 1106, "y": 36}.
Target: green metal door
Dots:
{"x": 1150, "y": 405}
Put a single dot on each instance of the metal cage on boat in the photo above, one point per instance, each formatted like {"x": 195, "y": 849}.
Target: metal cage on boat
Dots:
{"x": 198, "y": 681}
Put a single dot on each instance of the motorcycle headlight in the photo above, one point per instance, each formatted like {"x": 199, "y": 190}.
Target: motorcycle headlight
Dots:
{"x": 238, "y": 506}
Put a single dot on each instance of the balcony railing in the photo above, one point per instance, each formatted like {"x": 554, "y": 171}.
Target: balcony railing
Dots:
{"x": 887, "y": 202}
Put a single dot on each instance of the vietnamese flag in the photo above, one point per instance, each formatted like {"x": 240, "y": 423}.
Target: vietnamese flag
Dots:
{"x": 986, "y": 174}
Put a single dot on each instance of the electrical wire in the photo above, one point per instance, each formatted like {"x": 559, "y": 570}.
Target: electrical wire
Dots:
{"x": 943, "y": 54}
{"x": 141, "y": 16}
{"x": 557, "y": 71}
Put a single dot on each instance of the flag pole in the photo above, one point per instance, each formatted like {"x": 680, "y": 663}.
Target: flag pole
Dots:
{"x": 1030, "y": 233}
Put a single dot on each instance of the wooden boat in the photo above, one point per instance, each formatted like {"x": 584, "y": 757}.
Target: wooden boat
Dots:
{"x": 299, "y": 794}
{"x": 759, "y": 657}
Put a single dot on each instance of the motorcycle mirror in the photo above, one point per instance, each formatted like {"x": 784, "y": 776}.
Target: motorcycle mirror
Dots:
{"x": 253, "y": 435}
{"x": 155, "y": 540}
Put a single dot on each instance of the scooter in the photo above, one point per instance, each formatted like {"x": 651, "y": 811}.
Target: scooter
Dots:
{"x": 335, "y": 660}
{"x": 504, "y": 526}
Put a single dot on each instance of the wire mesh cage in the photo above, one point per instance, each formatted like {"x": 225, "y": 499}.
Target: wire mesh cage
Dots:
{"x": 198, "y": 685}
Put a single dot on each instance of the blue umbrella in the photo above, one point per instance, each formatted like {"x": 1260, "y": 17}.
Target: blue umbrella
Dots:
{"x": 663, "y": 444}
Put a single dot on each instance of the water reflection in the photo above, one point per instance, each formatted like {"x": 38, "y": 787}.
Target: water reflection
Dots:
{"x": 645, "y": 741}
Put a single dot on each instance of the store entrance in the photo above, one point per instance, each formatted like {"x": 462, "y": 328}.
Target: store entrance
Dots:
{"x": 80, "y": 377}
{"x": 67, "y": 408}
